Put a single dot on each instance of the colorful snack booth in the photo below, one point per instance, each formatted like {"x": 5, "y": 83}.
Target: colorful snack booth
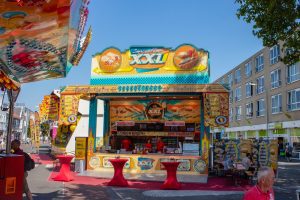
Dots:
{"x": 158, "y": 106}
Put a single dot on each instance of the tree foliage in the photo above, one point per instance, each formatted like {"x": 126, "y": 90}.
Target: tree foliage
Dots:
{"x": 274, "y": 21}
{"x": 45, "y": 129}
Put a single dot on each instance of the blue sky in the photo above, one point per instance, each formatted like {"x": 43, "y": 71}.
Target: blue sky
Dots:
{"x": 211, "y": 25}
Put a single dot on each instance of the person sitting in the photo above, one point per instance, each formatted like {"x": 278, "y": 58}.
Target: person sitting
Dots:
{"x": 246, "y": 161}
{"x": 228, "y": 164}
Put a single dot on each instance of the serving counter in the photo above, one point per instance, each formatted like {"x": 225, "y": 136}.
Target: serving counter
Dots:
{"x": 149, "y": 163}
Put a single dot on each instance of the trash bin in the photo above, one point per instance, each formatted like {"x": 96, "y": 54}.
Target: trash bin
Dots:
{"x": 79, "y": 166}
{"x": 298, "y": 194}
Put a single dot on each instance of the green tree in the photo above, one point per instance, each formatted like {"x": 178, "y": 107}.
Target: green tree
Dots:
{"x": 274, "y": 21}
{"x": 45, "y": 129}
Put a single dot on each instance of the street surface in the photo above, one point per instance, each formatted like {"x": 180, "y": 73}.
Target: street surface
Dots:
{"x": 287, "y": 183}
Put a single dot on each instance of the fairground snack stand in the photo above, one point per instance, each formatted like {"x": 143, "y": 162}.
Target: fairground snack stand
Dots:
{"x": 39, "y": 40}
{"x": 153, "y": 94}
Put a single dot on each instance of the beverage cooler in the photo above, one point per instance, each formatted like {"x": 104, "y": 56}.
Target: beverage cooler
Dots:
{"x": 11, "y": 176}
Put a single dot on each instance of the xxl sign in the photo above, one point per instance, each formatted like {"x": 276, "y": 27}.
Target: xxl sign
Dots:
{"x": 148, "y": 57}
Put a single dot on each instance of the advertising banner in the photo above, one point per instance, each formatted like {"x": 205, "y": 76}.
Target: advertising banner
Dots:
{"x": 185, "y": 64}
{"x": 155, "y": 110}
{"x": 68, "y": 109}
{"x": 264, "y": 152}
{"x": 53, "y": 108}
{"x": 48, "y": 109}
{"x": 37, "y": 128}
{"x": 216, "y": 109}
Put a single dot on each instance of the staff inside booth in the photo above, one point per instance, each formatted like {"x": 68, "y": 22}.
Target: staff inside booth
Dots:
{"x": 150, "y": 138}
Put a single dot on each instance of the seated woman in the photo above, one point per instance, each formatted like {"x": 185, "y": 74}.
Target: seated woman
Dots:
{"x": 247, "y": 162}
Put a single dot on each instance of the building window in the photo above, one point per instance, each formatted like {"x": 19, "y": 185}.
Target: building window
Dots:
{"x": 238, "y": 112}
{"x": 259, "y": 63}
{"x": 294, "y": 99}
{"x": 231, "y": 96}
{"x": 260, "y": 107}
{"x": 249, "y": 110}
{"x": 293, "y": 73}
{"x": 249, "y": 89}
{"x": 230, "y": 80}
{"x": 276, "y": 78}
{"x": 238, "y": 76}
{"x": 260, "y": 85}
{"x": 276, "y": 103}
{"x": 248, "y": 69}
{"x": 238, "y": 94}
{"x": 274, "y": 54}
{"x": 230, "y": 114}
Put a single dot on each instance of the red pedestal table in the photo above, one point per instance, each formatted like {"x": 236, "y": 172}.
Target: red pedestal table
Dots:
{"x": 171, "y": 182}
{"x": 118, "y": 178}
{"x": 64, "y": 172}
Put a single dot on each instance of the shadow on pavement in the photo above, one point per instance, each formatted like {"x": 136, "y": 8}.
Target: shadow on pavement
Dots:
{"x": 74, "y": 192}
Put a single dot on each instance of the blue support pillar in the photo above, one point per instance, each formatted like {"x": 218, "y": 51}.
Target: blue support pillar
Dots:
{"x": 202, "y": 128}
{"x": 106, "y": 121}
{"x": 93, "y": 119}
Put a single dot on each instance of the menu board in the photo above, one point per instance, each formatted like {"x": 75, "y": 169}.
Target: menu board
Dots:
{"x": 68, "y": 109}
{"x": 80, "y": 148}
{"x": 216, "y": 109}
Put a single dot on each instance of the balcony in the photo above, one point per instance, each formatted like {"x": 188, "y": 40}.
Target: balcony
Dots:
{"x": 260, "y": 113}
{"x": 260, "y": 90}
{"x": 294, "y": 106}
{"x": 249, "y": 115}
{"x": 238, "y": 117}
{"x": 276, "y": 84}
{"x": 259, "y": 68}
{"x": 237, "y": 98}
{"x": 237, "y": 80}
{"x": 276, "y": 110}
{"x": 248, "y": 74}
{"x": 293, "y": 78}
